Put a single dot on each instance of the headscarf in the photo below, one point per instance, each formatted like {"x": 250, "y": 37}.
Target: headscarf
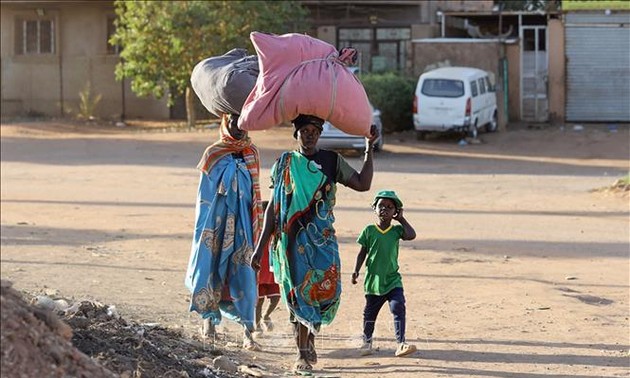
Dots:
{"x": 304, "y": 120}
{"x": 227, "y": 144}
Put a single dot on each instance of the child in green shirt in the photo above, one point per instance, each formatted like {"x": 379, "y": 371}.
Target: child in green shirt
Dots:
{"x": 383, "y": 283}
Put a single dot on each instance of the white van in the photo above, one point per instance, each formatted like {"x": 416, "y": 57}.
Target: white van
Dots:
{"x": 459, "y": 99}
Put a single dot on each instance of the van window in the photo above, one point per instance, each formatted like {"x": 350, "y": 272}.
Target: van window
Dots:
{"x": 473, "y": 88}
{"x": 490, "y": 86}
{"x": 442, "y": 88}
{"x": 482, "y": 85}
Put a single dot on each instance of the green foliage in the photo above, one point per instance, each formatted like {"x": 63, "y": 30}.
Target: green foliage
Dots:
{"x": 163, "y": 40}
{"x": 528, "y": 5}
{"x": 88, "y": 102}
{"x": 393, "y": 95}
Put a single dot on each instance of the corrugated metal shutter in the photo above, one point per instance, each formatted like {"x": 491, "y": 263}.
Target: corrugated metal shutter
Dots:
{"x": 598, "y": 67}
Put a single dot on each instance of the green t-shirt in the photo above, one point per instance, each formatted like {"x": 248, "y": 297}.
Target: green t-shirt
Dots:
{"x": 381, "y": 262}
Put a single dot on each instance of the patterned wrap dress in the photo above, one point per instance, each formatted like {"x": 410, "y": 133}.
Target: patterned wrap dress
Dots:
{"x": 305, "y": 254}
{"x": 228, "y": 221}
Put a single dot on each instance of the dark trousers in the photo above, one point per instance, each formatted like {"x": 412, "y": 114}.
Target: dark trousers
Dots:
{"x": 373, "y": 304}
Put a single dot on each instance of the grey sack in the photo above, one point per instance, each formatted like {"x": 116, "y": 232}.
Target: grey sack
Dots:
{"x": 223, "y": 82}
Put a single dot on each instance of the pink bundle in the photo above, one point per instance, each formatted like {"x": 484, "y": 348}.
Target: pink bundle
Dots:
{"x": 303, "y": 75}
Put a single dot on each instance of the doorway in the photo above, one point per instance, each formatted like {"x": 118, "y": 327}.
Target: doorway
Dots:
{"x": 534, "y": 73}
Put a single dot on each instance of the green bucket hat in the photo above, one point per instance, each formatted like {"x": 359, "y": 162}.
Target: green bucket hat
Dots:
{"x": 390, "y": 194}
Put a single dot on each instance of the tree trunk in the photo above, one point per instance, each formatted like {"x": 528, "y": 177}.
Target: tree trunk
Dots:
{"x": 191, "y": 117}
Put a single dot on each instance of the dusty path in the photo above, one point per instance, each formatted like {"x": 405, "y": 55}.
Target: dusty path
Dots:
{"x": 518, "y": 271}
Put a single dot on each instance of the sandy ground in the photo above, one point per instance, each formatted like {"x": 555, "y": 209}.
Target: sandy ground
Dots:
{"x": 519, "y": 269}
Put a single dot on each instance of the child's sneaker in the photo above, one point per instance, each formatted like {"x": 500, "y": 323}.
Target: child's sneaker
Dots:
{"x": 366, "y": 348}
{"x": 405, "y": 349}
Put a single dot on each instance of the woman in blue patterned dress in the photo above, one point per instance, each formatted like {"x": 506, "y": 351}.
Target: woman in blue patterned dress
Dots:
{"x": 228, "y": 222}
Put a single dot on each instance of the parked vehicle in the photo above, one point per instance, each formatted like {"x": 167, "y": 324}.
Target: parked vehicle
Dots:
{"x": 454, "y": 99}
{"x": 334, "y": 139}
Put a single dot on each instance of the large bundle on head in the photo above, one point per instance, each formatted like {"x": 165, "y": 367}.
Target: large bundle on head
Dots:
{"x": 303, "y": 75}
{"x": 223, "y": 82}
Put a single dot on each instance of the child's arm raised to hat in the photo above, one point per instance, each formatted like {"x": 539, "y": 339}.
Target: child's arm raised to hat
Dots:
{"x": 408, "y": 232}
{"x": 357, "y": 266}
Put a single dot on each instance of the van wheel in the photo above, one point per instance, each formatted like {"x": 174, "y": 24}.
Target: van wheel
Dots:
{"x": 493, "y": 125}
{"x": 473, "y": 131}
{"x": 421, "y": 135}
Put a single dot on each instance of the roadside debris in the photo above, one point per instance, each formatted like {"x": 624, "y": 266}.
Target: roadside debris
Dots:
{"x": 53, "y": 337}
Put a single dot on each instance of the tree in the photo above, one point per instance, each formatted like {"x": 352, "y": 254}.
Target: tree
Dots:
{"x": 163, "y": 40}
{"x": 528, "y": 5}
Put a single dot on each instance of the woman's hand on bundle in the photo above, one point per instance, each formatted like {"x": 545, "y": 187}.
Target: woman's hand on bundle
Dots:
{"x": 374, "y": 136}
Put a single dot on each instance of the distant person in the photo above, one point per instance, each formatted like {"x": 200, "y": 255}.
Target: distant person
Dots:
{"x": 267, "y": 288}
{"x": 379, "y": 245}
{"x": 228, "y": 220}
{"x": 300, "y": 217}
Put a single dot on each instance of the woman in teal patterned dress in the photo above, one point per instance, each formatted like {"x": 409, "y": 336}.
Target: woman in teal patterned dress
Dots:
{"x": 299, "y": 219}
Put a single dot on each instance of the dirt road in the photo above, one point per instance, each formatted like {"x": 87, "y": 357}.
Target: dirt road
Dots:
{"x": 519, "y": 270}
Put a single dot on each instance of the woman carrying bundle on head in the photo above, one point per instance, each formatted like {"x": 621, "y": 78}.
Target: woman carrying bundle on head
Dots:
{"x": 228, "y": 221}
{"x": 300, "y": 218}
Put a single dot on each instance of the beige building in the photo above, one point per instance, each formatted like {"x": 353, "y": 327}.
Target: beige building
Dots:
{"x": 51, "y": 50}
{"x": 526, "y": 59}
{"x": 382, "y": 31}
{"x": 524, "y": 50}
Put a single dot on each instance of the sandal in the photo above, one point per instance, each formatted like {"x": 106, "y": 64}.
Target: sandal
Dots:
{"x": 251, "y": 345}
{"x": 302, "y": 367}
{"x": 405, "y": 349}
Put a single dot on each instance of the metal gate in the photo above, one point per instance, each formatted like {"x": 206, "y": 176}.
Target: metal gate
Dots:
{"x": 534, "y": 73}
{"x": 598, "y": 67}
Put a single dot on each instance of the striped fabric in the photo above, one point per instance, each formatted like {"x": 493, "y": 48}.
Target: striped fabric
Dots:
{"x": 227, "y": 145}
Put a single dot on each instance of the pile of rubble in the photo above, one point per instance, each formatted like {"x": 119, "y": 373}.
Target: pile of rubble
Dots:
{"x": 53, "y": 338}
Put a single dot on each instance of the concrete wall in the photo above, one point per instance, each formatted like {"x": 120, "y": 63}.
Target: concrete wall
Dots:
{"x": 483, "y": 55}
{"x": 44, "y": 84}
{"x": 327, "y": 33}
{"x": 27, "y": 80}
{"x": 513, "y": 54}
{"x": 557, "y": 75}
{"x": 419, "y": 31}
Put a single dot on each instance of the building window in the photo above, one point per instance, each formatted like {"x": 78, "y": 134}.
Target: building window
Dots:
{"x": 380, "y": 49}
{"x": 111, "y": 30}
{"x": 34, "y": 36}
